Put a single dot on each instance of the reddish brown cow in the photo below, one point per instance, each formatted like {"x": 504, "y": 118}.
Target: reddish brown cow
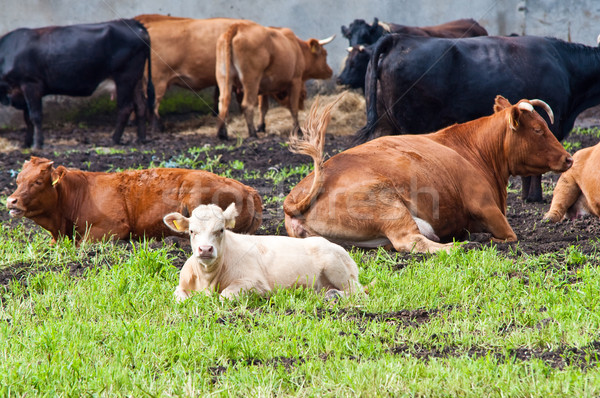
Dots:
{"x": 265, "y": 60}
{"x": 577, "y": 192}
{"x": 129, "y": 204}
{"x": 414, "y": 191}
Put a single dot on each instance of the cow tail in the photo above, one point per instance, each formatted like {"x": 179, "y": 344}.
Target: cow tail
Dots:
{"x": 227, "y": 53}
{"x": 312, "y": 144}
{"x": 150, "y": 93}
{"x": 366, "y": 133}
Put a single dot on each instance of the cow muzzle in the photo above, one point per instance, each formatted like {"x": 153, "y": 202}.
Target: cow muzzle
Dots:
{"x": 14, "y": 210}
{"x": 206, "y": 252}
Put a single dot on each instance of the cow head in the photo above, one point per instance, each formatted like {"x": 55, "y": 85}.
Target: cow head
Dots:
{"x": 355, "y": 66}
{"x": 206, "y": 227}
{"x": 529, "y": 144}
{"x": 360, "y": 32}
{"x": 316, "y": 60}
{"x": 36, "y": 189}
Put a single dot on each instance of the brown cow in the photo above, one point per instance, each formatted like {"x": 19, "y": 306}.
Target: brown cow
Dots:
{"x": 183, "y": 51}
{"x": 577, "y": 192}
{"x": 129, "y": 204}
{"x": 265, "y": 60}
{"x": 412, "y": 191}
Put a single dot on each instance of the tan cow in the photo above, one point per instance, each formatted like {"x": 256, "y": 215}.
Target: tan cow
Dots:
{"x": 183, "y": 51}
{"x": 414, "y": 191}
{"x": 577, "y": 192}
{"x": 129, "y": 204}
{"x": 265, "y": 61}
{"x": 230, "y": 263}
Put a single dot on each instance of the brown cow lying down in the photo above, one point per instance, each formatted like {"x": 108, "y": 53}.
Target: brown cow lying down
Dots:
{"x": 230, "y": 263}
{"x": 414, "y": 191}
{"x": 129, "y": 204}
{"x": 577, "y": 192}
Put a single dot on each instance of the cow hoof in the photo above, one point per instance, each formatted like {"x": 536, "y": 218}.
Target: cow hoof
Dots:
{"x": 222, "y": 134}
{"x": 261, "y": 128}
{"x": 333, "y": 295}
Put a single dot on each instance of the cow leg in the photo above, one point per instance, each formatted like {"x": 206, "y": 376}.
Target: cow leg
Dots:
{"x": 495, "y": 222}
{"x": 29, "y": 131}
{"x": 33, "y": 97}
{"x": 125, "y": 105}
{"x": 532, "y": 189}
{"x": 249, "y": 103}
{"x": 295, "y": 91}
{"x": 565, "y": 195}
{"x": 263, "y": 104}
{"x": 141, "y": 113}
{"x": 160, "y": 88}
{"x": 224, "y": 100}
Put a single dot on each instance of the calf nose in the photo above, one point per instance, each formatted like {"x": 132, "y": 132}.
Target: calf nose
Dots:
{"x": 11, "y": 201}
{"x": 205, "y": 251}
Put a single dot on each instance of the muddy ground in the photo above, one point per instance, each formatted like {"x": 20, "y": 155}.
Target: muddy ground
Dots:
{"x": 87, "y": 146}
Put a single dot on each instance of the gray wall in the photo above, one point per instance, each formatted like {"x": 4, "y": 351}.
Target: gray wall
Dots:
{"x": 574, "y": 20}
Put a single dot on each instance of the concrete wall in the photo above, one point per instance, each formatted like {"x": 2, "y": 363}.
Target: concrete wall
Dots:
{"x": 574, "y": 20}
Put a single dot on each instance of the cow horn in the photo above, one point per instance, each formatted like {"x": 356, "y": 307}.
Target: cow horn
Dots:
{"x": 361, "y": 48}
{"x": 385, "y": 26}
{"x": 598, "y": 40}
{"x": 327, "y": 40}
{"x": 349, "y": 49}
{"x": 542, "y": 104}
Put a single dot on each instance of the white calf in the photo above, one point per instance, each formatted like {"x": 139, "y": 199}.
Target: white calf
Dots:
{"x": 231, "y": 263}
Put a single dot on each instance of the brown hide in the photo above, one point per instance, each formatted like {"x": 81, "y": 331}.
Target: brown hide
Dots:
{"x": 577, "y": 192}
{"x": 183, "y": 51}
{"x": 129, "y": 204}
{"x": 453, "y": 29}
{"x": 412, "y": 190}
{"x": 265, "y": 61}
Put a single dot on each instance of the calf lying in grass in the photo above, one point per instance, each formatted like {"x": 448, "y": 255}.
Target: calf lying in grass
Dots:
{"x": 231, "y": 263}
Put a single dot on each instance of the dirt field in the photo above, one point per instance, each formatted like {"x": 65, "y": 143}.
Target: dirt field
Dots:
{"x": 88, "y": 147}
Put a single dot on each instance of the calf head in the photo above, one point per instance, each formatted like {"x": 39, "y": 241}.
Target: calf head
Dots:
{"x": 529, "y": 145}
{"x": 315, "y": 61}
{"x": 36, "y": 192}
{"x": 206, "y": 227}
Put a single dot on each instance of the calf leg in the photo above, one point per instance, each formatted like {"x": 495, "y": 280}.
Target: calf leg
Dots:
{"x": 224, "y": 100}
{"x": 248, "y": 105}
{"x": 565, "y": 195}
{"x": 33, "y": 98}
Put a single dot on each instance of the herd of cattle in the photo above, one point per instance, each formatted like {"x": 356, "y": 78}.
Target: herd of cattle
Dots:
{"x": 411, "y": 189}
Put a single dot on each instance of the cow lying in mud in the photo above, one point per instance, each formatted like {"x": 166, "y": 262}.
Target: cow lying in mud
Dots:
{"x": 417, "y": 191}
{"x": 129, "y": 204}
{"x": 230, "y": 263}
{"x": 577, "y": 192}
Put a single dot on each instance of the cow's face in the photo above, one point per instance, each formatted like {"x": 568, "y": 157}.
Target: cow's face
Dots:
{"x": 206, "y": 227}
{"x": 360, "y": 32}
{"x": 35, "y": 192}
{"x": 531, "y": 147}
{"x": 316, "y": 62}
{"x": 355, "y": 67}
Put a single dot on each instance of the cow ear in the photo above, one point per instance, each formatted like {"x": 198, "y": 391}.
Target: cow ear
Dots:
{"x": 57, "y": 174}
{"x": 177, "y": 222}
{"x": 314, "y": 45}
{"x": 513, "y": 118}
{"x": 500, "y": 103}
{"x": 229, "y": 215}
{"x": 345, "y": 32}
{"x": 375, "y": 24}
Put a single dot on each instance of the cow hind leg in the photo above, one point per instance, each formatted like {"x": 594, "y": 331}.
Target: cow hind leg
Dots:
{"x": 33, "y": 98}
{"x": 248, "y": 104}
{"x": 125, "y": 105}
{"x": 263, "y": 104}
{"x": 565, "y": 195}
{"x": 141, "y": 112}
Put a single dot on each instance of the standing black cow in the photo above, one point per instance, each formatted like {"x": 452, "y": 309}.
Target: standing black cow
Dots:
{"x": 73, "y": 60}
{"x": 419, "y": 84}
{"x": 362, "y": 35}
{"x": 360, "y": 32}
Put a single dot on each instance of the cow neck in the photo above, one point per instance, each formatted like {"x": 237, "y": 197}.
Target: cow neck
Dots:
{"x": 72, "y": 190}
{"x": 583, "y": 63}
{"x": 481, "y": 142}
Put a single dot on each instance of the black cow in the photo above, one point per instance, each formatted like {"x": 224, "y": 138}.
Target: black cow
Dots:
{"x": 73, "y": 60}
{"x": 423, "y": 84}
{"x": 360, "y": 32}
{"x": 353, "y": 74}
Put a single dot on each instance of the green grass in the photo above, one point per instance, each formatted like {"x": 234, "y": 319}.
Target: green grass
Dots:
{"x": 113, "y": 328}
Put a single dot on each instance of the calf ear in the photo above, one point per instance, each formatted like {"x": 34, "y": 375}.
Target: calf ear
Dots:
{"x": 229, "y": 215}
{"x": 58, "y": 174}
{"x": 177, "y": 222}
